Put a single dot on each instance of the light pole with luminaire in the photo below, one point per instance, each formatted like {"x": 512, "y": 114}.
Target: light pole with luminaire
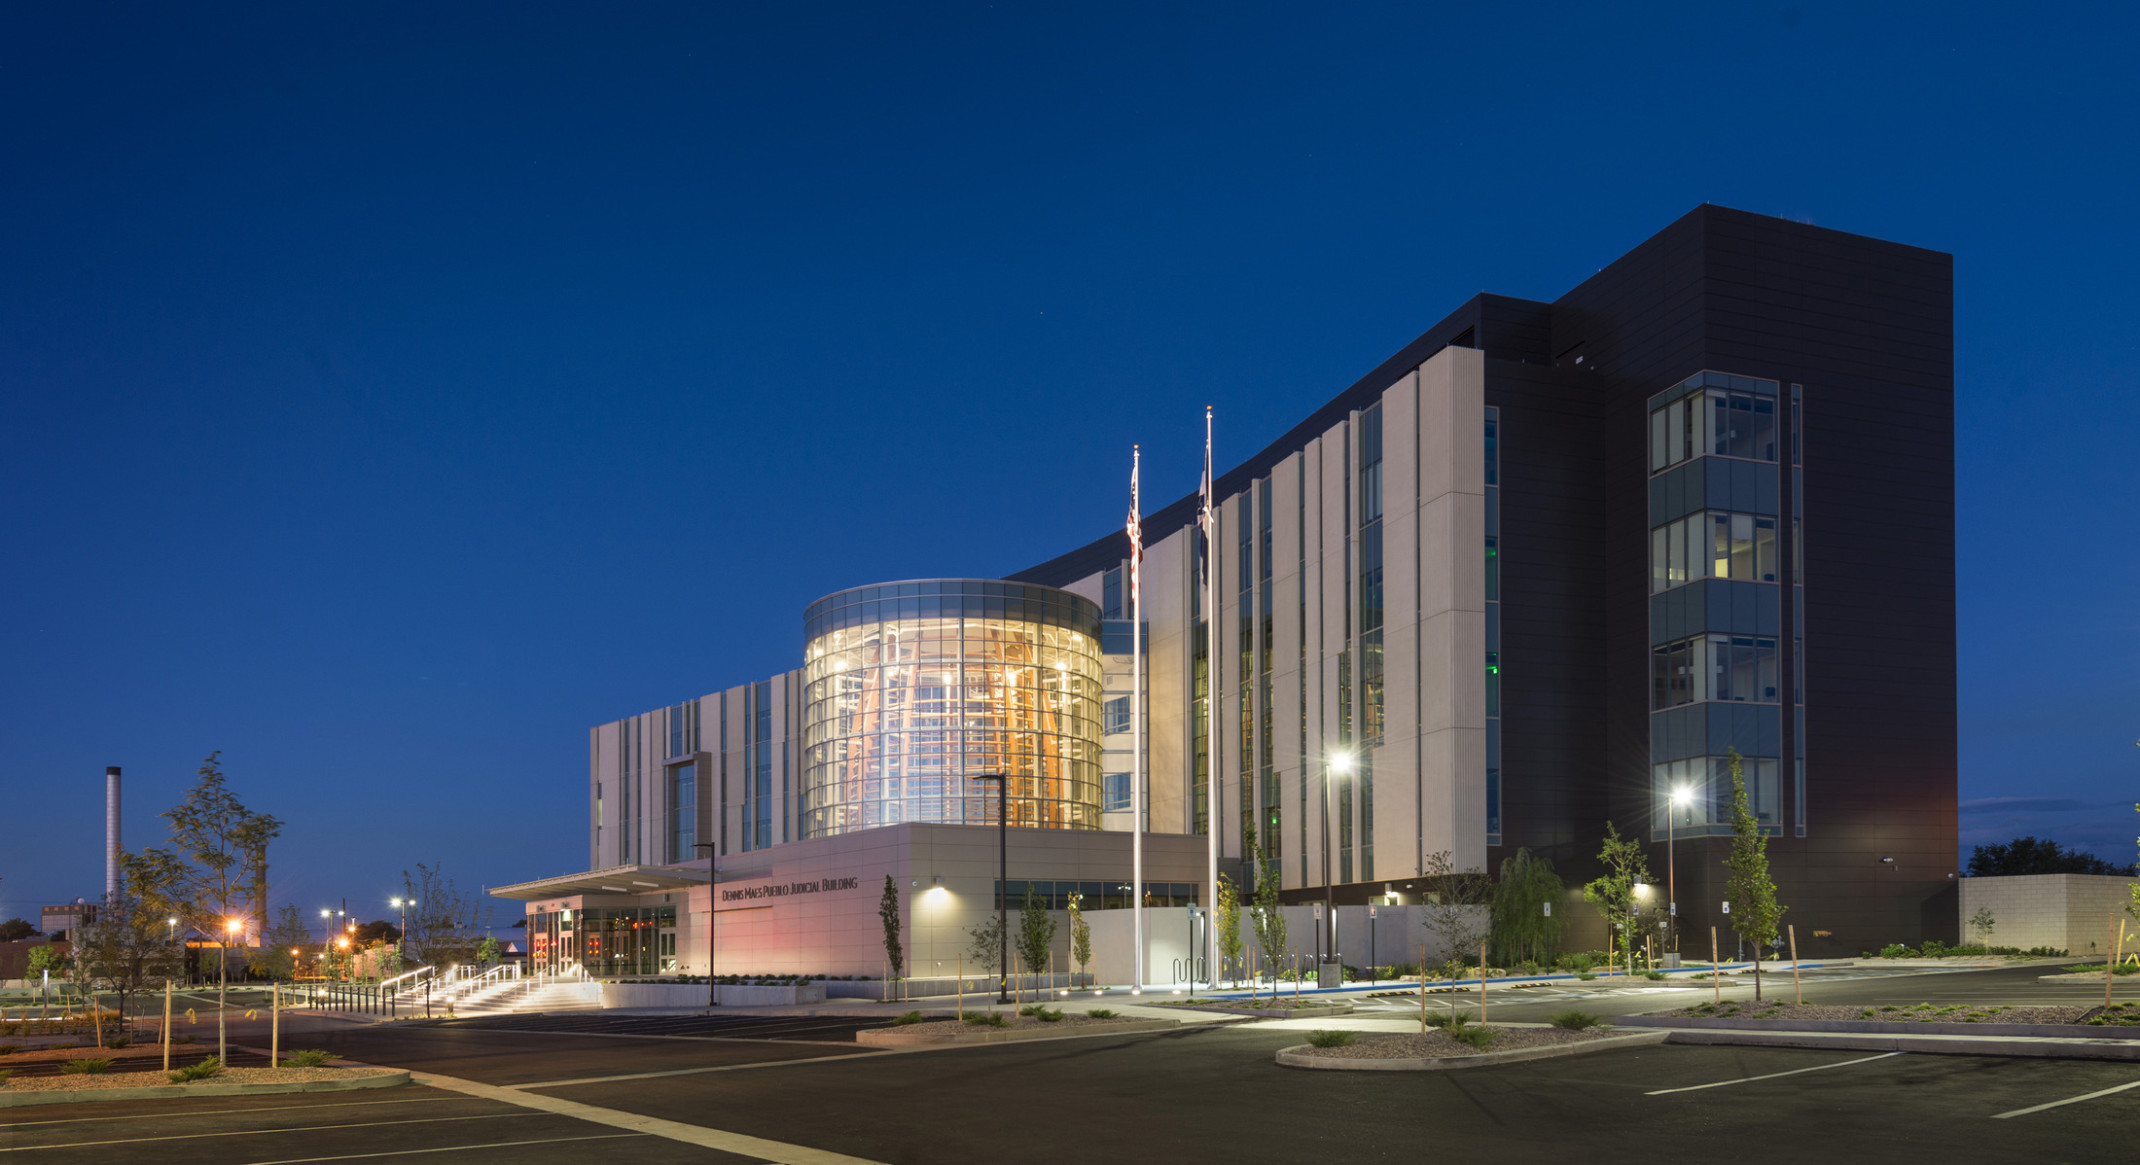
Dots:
{"x": 1338, "y": 764}
{"x": 1681, "y": 795}
{"x": 401, "y": 936}
{"x": 1003, "y": 884}
{"x": 712, "y": 890}
{"x": 222, "y": 987}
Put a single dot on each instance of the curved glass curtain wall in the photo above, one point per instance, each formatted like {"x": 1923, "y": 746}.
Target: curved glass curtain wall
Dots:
{"x": 913, "y": 688}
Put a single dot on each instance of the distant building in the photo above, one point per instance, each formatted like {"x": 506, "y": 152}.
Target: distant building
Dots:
{"x": 68, "y": 915}
{"x": 1546, "y": 567}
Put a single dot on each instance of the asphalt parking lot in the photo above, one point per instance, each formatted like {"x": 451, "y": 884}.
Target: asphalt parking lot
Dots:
{"x": 737, "y": 1090}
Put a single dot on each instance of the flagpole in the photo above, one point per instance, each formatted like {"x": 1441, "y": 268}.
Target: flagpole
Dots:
{"x": 1209, "y": 520}
{"x": 1136, "y": 704}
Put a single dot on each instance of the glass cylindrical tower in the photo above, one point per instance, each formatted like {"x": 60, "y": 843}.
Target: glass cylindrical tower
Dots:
{"x": 911, "y": 689}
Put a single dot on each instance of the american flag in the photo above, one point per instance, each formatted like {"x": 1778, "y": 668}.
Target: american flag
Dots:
{"x": 1207, "y": 518}
{"x": 1136, "y": 524}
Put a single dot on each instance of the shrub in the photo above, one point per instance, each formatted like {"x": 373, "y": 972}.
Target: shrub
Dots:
{"x": 308, "y": 1058}
{"x": 1896, "y": 951}
{"x": 1585, "y": 976}
{"x": 119, "y": 1042}
{"x": 909, "y": 1017}
{"x": 1101, "y": 1013}
{"x": 1477, "y": 1037}
{"x": 1576, "y": 1021}
{"x": 185, "y": 1039}
{"x": 1032, "y": 1009}
{"x": 986, "y": 1019}
{"x": 201, "y": 1071}
{"x": 9, "y": 1049}
{"x": 5, "y": 1073}
{"x": 1444, "y": 1019}
{"x": 1322, "y": 1039}
{"x": 1658, "y": 975}
{"x": 2048, "y": 952}
{"x": 86, "y": 1067}
{"x": 1048, "y": 1015}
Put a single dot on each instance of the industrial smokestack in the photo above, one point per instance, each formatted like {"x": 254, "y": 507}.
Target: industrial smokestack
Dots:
{"x": 111, "y": 833}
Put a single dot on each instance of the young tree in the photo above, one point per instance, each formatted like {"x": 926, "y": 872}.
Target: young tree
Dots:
{"x": 984, "y": 944}
{"x": 487, "y": 951}
{"x": 277, "y": 955}
{"x": 208, "y": 879}
{"x": 1036, "y": 932}
{"x": 1458, "y": 914}
{"x": 1080, "y": 935}
{"x": 1229, "y": 912}
{"x": 1267, "y": 918}
{"x": 1754, "y": 912}
{"x": 888, "y": 912}
{"x": 445, "y": 924}
{"x": 1982, "y": 923}
{"x": 1524, "y": 927}
{"x": 1614, "y": 894}
{"x": 125, "y": 951}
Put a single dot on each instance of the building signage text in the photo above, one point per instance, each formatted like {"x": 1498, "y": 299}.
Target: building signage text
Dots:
{"x": 786, "y": 889}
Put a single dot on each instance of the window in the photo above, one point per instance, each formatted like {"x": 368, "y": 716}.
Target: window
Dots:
{"x": 1713, "y": 544}
{"x": 1715, "y": 423}
{"x": 1114, "y": 792}
{"x": 1707, "y": 782}
{"x": 1115, "y": 715}
{"x": 1713, "y": 667}
{"x": 1111, "y": 594}
{"x": 683, "y": 812}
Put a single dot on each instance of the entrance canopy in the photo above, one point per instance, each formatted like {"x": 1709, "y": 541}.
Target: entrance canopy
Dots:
{"x": 614, "y": 880}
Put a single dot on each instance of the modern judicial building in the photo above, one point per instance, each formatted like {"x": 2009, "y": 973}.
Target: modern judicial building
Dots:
{"x": 1541, "y": 568}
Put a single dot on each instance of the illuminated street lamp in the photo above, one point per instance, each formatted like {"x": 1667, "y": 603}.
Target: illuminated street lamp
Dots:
{"x": 1681, "y": 796}
{"x": 1335, "y": 764}
{"x": 401, "y": 935}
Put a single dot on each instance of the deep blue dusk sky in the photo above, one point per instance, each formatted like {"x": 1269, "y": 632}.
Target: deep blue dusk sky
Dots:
{"x": 393, "y": 393}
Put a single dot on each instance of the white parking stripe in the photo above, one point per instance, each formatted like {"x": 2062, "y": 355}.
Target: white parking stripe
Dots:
{"x": 446, "y": 1149}
{"x": 863, "y": 1055}
{"x": 1772, "y": 1075}
{"x": 741, "y": 1144}
{"x": 2069, "y": 1100}
{"x": 428, "y": 1120}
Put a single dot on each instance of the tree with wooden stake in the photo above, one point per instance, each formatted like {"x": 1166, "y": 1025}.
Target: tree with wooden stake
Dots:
{"x": 1614, "y": 894}
{"x": 888, "y": 913}
{"x": 1036, "y": 934}
{"x": 1267, "y": 919}
{"x": 1080, "y": 936}
{"x": 985, "y": 946}
{"x": 1229, "y": 918}
{"x": 206, "y": 879}
{"x": 1458, "y": 910}
{"x": 1754, "y": 912}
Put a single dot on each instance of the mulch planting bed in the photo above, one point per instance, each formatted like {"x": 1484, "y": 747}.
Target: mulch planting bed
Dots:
{"x": 2116, "y": 1015}
{"x": 80, "y": 1083}
{"x": 1436, "y": 1044}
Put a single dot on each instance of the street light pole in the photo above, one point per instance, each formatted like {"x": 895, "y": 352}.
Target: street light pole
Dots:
{"x": 1003, "y": 884}
{"x": 712, "y": 893}
{"x": 401, "y": 936}
{"x": 1680, "y": 796}
{"x": 1338, "y": 764}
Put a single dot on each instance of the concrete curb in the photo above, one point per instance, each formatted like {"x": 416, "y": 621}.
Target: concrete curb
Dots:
{"x": 1295, "y": 1057}
{"x": 180, "y": 1091}
{"x": 2032, "y": 1031}
{"x": 2059, "y": 1049}
{"x": 894, "y": 1038}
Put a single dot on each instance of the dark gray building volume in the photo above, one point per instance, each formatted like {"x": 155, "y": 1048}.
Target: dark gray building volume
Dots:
{"x": 1779, "y": 580}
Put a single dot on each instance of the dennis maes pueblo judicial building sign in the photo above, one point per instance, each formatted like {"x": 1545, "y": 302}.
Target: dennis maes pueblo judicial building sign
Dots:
{"x": 811, "y": 907}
